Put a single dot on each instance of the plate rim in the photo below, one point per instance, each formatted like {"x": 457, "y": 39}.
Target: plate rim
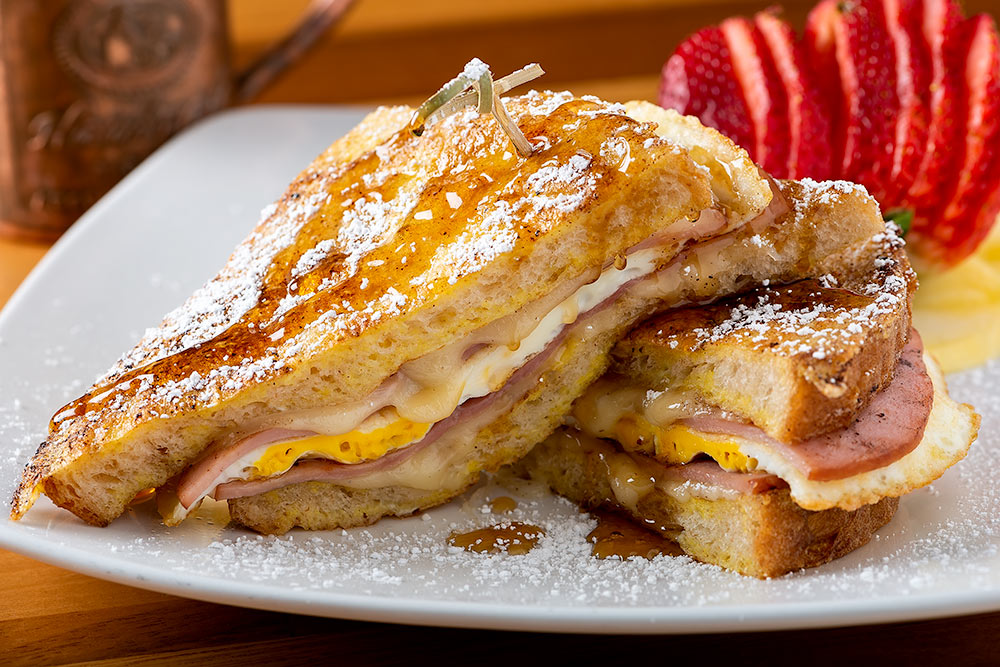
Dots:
{"x": 716, "y": 618}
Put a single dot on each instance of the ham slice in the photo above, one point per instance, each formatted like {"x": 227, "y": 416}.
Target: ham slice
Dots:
{"x": 711, "y": 474}
{"x": 194, "y": 482}
{"x": 325, "y": 470}
{"x": 889, "y": 428}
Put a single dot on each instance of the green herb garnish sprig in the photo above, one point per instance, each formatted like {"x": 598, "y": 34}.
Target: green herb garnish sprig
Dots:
{"x": 456, "y": 95}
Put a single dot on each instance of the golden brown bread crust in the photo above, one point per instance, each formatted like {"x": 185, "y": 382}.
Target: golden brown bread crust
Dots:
{"x": 735, "y": 179}
{"x": 761, "y": 535}
{"x": 346, "y": 278}
{"x": 767, "y": 534}
{"x": 319, "y": 506}
{"x": 798, "y": 361}
{"x": 831, "y": 227}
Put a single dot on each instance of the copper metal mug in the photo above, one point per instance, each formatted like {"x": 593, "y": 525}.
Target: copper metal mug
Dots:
{"x": 88, "y": 88}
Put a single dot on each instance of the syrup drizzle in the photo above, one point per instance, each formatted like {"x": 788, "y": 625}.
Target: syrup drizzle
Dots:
{"x": 143, "y": 496}
{"x": 503, "y": 505}
{"x": 617, "y": 537}
{"x": 514, "y": 538}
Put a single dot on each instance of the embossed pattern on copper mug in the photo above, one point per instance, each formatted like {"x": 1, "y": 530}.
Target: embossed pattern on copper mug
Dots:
{"x": 88, "y": 88}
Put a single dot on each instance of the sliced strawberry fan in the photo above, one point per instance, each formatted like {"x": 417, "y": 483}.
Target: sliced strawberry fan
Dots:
{"x": 902, "y": 96}
{"x": 974, "y": 202}
{"x": 903, "y": 20}
{"x": 808, "y": 125}
{"x": 699, "y": 80}
{"x": 763, "y": 91}
{"x": 940, "y": 27}
{"x": 848, "y": 42}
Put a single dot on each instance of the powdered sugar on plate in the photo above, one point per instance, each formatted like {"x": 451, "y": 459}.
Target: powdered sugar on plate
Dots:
{"x": 944, "y": 538}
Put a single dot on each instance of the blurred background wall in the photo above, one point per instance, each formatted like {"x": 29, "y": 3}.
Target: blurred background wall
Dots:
{"x": 399, "y": 50}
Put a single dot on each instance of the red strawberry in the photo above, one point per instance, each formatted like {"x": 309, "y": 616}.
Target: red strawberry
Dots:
{"x": 808, "y": 125}
{"x": 764, "y": 94}
{"x": 975, "y": 201}
{"x": 902, "y": 96}
{"x": 903, "y": 20}
{"x": 940, "y": 27}
{"x": 849, "y": 44}
{"x": 699, "y": 80}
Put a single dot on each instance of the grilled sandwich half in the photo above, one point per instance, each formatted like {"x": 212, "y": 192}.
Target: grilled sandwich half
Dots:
{"x": 771, "y": 431}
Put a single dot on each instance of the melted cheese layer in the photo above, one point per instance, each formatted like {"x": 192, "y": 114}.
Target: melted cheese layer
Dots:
{"x": 681, "y": 444}
{"x": 354, "y": 447}
{"x": 402, "y": 411}
{"x": 646, "y": 422}
{"x": 487, "y": 374}
{"x": 676, "y": 444}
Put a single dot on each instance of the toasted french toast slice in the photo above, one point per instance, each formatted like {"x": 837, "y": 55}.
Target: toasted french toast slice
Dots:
{"x": 734, "y": 176}
{"x": 760, "y": 534}
{"x": 824, "y": 388}
{"x": 520, "y": 417}
{"x": 819, "y": 228}
{"x": 797, "y": 360}
{"x": 384, "y": 250}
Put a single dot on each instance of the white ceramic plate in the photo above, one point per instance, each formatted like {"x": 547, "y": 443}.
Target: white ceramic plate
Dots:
{"x": 171, "y": 224}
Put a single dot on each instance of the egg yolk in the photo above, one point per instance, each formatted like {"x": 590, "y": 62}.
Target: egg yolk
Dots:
{"x": 677, "y": 444}
{"x": 353, "y": 447}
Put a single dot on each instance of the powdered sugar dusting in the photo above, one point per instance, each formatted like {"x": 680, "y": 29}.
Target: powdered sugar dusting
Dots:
{"x": 476, "y": 69}
{"x": 367, "y": 223}
{"x": 543, "y": 104}
{"x": 790, "y": 322}
{"x": 828, "y": 191}
{"x": 824, "y": 194}
{"x": 228, "y": 296}
{"x": 312, "y": 258}
{"x": 471, "y": 252}
{"x": 561, "y": 185}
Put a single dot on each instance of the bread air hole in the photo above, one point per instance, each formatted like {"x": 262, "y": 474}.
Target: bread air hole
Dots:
{"x": 105, "y": 478}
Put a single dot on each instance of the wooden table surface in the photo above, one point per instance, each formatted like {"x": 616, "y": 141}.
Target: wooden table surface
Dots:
{"x": 399, "y": 50}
